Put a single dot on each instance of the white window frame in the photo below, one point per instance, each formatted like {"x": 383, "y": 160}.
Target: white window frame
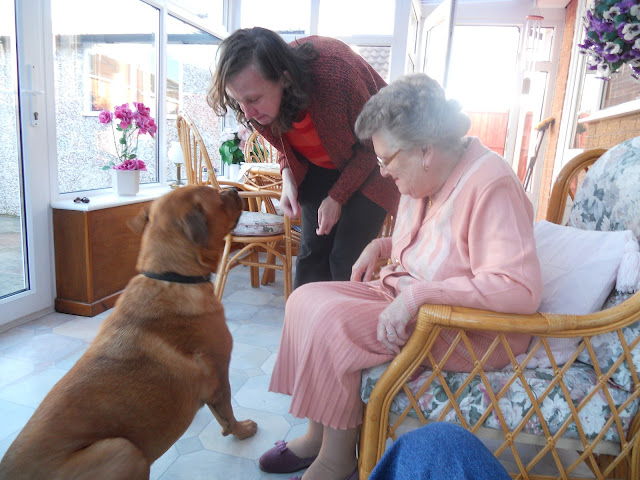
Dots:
{"x": 165, "y": 8}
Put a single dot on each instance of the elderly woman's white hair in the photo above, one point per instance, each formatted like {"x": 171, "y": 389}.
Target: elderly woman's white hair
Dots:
{"x": 412, "y": 112}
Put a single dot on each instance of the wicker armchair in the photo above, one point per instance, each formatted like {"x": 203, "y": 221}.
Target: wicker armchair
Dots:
{"x": 554, "y": 428}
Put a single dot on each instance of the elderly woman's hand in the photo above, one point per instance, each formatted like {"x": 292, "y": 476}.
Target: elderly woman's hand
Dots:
{"x": 392, "y": 325}
{"x": 365, "y": 266}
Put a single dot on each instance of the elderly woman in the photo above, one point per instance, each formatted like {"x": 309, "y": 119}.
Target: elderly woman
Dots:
{"x": 463, "y": 236}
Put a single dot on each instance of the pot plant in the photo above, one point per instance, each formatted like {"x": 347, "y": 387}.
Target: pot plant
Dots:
{"x": 231, "y": 149}
{"x": 130, "y": 125}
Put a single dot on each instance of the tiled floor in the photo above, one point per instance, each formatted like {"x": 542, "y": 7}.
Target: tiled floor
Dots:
{"x": 34, "y": 356}
{"x": 12, "y": 275}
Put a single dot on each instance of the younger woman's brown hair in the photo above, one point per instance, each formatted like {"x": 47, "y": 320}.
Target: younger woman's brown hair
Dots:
{"x": 273, "y": 57}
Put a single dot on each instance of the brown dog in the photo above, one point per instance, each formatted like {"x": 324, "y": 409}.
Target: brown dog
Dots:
{"x": 160, "y": 356}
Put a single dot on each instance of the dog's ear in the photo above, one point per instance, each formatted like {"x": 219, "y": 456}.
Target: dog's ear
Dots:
{"x": 140, "y": 221}
{"x": 232, "y": 203}
{"x": 195, "y": 226}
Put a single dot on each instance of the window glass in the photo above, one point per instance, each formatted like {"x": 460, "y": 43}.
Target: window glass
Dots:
{"x": 209, "y": 12}
{"x": 494, "y": 90}
{"x": 356, "y": 17}
{"x": 191, "y": 54}
{"x": 282, "y": 16}
{"x": 376, "y": 56}
{"x": 489, "y": 97}
{"x": 621, "y": 88}
{"x": 99, "y": 65}
{"x": 589, "y": 102}
{"x": 543, "y": 52}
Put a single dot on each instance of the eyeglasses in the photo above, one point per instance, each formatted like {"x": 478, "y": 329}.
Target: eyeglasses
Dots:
{"x": 383, "y": 164}
{"x": 81, "y": 200}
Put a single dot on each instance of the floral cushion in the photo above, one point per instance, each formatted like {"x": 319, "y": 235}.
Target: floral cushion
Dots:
{"x": 474, "y": 400}
{"x": 608, "y": 349}
{"x": 258, "y": 224}
{"x": 609, "y": 198}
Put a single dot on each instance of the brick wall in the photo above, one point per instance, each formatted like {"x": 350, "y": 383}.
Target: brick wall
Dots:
{"x": 608, "y": 132}
{"x": 621, "y": 88}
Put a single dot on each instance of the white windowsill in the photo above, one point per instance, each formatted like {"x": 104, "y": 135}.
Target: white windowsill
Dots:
{"x": 108, "y": 199}
{"x": 613, "y": 112}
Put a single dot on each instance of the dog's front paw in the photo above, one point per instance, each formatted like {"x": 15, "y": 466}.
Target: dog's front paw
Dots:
{"x": 245, "y": 428}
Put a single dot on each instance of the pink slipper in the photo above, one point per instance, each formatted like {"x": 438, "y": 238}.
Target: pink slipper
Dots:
{"x": 353, "y": 476}
{"x": 280, "y": 459}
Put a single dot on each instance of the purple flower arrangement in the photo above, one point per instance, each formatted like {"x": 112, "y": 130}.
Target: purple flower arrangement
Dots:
{"x": 612, "y": 37}
{"x": 131, "y": 124}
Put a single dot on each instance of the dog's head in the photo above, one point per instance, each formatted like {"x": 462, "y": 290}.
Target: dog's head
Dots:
{"x": 184, "y": 230}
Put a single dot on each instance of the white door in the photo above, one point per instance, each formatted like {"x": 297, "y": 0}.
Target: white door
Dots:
{"x": 438, "y": 35}
{"x": 26, "y": 284}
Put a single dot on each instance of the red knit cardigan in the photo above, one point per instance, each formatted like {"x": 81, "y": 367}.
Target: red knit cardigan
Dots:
{"x": 342, "y": 82}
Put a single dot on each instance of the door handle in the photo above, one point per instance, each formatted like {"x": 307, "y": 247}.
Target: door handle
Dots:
{"x": 33, "y": 93}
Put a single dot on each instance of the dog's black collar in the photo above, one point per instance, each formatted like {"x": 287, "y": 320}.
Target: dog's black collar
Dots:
{"x": 177, "y": 278}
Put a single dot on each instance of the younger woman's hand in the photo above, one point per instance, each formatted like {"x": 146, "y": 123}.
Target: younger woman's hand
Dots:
{"x": 365, "y": 266}
{"x": 289, "y": 196}
{"x": 392, "y": 325}
{"x": 328, "y": 216}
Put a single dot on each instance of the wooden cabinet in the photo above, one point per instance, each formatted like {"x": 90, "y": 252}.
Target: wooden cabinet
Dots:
{"x": 95, "y": 257}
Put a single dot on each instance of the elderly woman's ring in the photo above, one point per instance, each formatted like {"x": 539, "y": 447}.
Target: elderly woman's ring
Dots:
{"x": 390, "y": 333}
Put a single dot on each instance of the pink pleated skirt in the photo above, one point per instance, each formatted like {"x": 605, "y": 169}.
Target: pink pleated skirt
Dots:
{"x": 329, "y": 337}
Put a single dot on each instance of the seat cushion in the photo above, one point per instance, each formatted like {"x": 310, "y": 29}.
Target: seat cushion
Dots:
{"x": 580, "y": 380}
{"x": 258, "y": 224}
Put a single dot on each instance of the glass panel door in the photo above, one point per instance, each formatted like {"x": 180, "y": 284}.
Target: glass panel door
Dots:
{"x": 26, "y": 278}
{"x": 14, "y": 276}
{"x": 485, "y": 84}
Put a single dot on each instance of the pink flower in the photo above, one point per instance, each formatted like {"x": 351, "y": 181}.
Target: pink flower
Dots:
{"x": 131, "y": 125}
{"x": 141, "y": 122}
{"x": 142, "y": 110}
{"x": 124, "y": 114}
{"x": 152, "y": 128}
{"x": 131, "y": 164}
{"x": 105, "y": 117}
{"x": 243, "y": 134}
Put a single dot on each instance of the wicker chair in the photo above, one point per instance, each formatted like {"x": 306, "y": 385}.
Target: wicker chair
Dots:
{"x": 197, "y": 161}
{"x": 408, "y": 394}
{"x": 258, "y": 150}
{"x": 261, "y": 177}
{"x": 257, "y": 231}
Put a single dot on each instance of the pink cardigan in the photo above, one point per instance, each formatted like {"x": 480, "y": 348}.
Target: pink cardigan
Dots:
{"x": 473, "y": 247}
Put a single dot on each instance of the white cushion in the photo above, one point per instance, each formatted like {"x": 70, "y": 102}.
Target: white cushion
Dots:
{"x": 579, "y": 270}
{"x": 258, "y": 224}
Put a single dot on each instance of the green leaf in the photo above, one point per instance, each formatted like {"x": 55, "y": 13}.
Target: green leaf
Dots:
{"x": 132, "y": 156}
{"x": 123, "y": 141}
{"x": 238, "y": 157}
{"x": 106, "y": 167}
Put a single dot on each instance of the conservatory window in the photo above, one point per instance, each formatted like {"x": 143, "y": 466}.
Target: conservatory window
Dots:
{"x": 118, "y": 74}
{"x": 97, "y": 66}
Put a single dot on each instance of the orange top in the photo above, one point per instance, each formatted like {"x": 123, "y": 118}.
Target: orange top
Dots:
{"x": 304, "y": 139}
